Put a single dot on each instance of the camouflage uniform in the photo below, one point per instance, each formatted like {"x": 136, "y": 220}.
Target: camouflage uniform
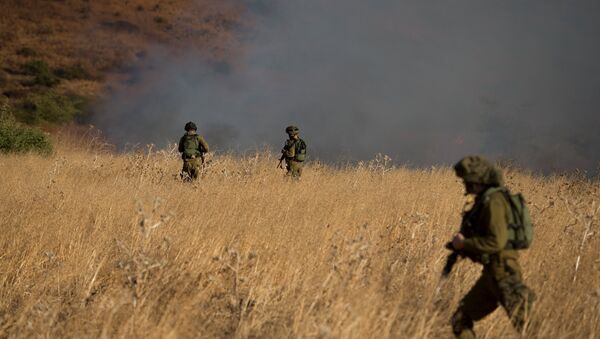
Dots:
{"x": 294, "y": 152}
{"x": 192, "y": 159}
{"x": 294, "y": 168}
{"x": 486, "y": 236}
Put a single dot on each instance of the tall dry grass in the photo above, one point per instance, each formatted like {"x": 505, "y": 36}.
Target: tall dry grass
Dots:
{"x": 95, "y": 244}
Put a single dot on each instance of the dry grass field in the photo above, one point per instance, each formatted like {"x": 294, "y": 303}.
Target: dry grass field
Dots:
{"x": 96, "y": 244}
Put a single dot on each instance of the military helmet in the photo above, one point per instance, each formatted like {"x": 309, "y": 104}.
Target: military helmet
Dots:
{"x": 475, "y": 169}
{"x": 191, "y": 126}
{"x": 292, "y": 130}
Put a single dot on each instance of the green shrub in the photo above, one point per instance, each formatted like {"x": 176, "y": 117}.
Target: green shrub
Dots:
{"x": 50, "y": 107}
{"x": 73, "y": 72}
{"x": 35, "y": 67}
{"x": 42, "y": 74}
{"x": 82, "y": 106}
{"x": 27, "y": 52}
{"x": 15, "y": 138}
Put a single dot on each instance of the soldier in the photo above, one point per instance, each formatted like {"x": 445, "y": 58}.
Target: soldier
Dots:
{"x": 293, "y": 152}
{"x": 485, "y": 240}
{"x": 192, "y": 148}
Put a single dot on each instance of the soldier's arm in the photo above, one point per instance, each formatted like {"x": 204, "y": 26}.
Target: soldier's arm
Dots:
{"x": 203, "y": 144}
{"x": 180, "y": 145}
{"x": 494, "y": 215}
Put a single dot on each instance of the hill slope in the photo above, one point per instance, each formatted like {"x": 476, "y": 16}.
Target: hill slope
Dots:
{"x": 84, "y": 41}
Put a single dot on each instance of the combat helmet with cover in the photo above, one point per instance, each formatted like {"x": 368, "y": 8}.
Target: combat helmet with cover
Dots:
{"x": 474, "y": 169}
{"x": 292, "y": 130}
{"x": 191, "y": 126}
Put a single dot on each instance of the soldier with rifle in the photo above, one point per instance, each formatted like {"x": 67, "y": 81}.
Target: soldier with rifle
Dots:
{"x": 293, "y": 152}
{"x": 192, "y": 148}
{"x": 484, "y": 238}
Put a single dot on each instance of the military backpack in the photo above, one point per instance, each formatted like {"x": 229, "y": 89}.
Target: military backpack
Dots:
{"x": 300, "y": 153}
{"x": 520, "y": 231}
{"x": 191, "y": 146}
{"x": 520, "y": 227}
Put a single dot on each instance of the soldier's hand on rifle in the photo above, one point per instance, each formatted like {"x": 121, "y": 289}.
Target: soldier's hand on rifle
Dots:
{"x": 458, "y": 242}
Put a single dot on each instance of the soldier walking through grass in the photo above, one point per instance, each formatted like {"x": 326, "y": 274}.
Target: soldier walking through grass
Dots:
{"x": 192, "y": 148}
{"x": 293, "y": 152}
{"x": 485, "y": 239}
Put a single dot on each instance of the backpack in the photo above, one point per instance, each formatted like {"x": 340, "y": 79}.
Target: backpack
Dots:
{"x": 520, "y": 227}
{"x": 520, "y": 231}
{"x": 300, "y": 154}
{"x": 190, "y": 146}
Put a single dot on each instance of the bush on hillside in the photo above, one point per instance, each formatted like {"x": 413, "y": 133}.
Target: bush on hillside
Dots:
{"x": 82, "y": 105}
{"x": 41, "y": 73}
{"x": 27, "y": 52}
{"x": 51, "y": 107}
{"x": 74, "y": 72}
{"x": 15, "y": 138}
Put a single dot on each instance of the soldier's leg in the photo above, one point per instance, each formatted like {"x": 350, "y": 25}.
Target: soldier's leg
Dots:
{"x": 479, "y": 302}
{"x": 195, "y": 168}
{"x": 185, "y": 170}
{"x": 296, "y": 168}
{"x": 515, "y": 296}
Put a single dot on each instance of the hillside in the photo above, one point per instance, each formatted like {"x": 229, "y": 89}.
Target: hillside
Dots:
{"x": 76, "y": 48}
{"x": 103, "y": 245}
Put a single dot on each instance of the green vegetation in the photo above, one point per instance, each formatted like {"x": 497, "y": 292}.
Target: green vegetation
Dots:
{"x": 42, "y": 74}
{"x": 51, "y": 107}
{"x": 27, "y": 52}
{"x": 46, "y": 105}
{"x": 74, "y": 72}
{"x": 16, "y": 138}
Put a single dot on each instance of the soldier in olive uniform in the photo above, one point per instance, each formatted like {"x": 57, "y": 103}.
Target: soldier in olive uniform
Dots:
{"x": 192, "y": 148}
{"x": 293, "y": 152}
{"x": 485, "y": 241}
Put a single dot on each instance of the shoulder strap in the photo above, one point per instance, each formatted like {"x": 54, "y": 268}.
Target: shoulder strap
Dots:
{"x": 492, "y": 190}
{"x": 480, "y": 202}
{"x": 514, "y": 209}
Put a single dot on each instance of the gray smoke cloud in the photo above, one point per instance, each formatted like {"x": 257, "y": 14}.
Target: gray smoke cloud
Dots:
{"x": 424, "y": 82}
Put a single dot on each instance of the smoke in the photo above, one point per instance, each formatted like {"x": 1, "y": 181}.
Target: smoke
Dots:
{"x": 424, "y": 82}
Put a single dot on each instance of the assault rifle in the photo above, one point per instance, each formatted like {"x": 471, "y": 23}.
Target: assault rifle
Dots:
{"x": 450, "y": 260}
{"x": 281, "y": 161}
{"x": 465, "y": 229}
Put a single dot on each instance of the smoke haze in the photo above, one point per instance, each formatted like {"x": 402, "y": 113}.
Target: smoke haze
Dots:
{"x": 424, "y": 82}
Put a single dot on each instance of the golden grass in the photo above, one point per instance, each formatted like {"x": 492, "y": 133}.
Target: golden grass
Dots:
{"x": 102, "y": 245}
